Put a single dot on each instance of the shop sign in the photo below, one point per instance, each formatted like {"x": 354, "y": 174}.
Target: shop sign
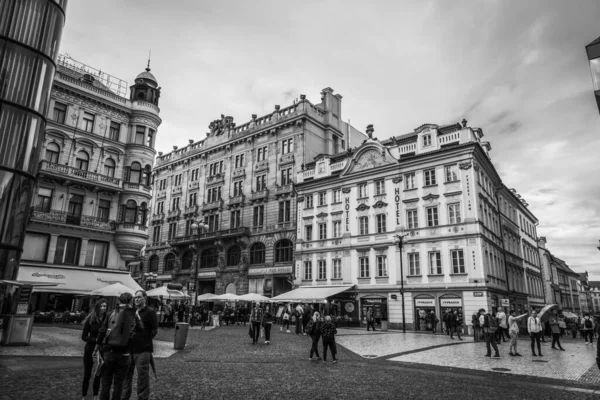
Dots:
{"x": 425, "y": 302}
{"x": 210, "y": 274}
{"x": 164, "y": 277}
{"x": 373, "y": 301}
{"x": 270, "y": 271}
{"x": 505, "y": 302}
{"x": 478, "y": 294}
{"x": 451, "y": 302}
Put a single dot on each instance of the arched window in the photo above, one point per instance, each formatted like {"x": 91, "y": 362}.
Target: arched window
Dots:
{"x": 284, "y": 250}
{"x": 257, "y": 253}
{"x": 234, "y": 254}
{"x": 135, "y": 172}
{"x": 130, "y": 212}
{"x": 109, "y": 167}
{"x": 52, "y": 153}
{"x": 153, "y": 264}
{"x": 209, "y": 258}
{"x": 146, "y": 177}
{"x": 143, "y": 213}
{"x": 82, "y": 160}
{"x": 186, "y": 260}
{"x": 169, "y": 262}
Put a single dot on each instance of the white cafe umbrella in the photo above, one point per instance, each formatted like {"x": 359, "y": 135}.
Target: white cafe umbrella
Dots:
{"x": 227, "y": 297}
{"x": 254, "y": 297}
{"x": 544, "y": 313}
{"x": 116, "y": 289}
{"x": 167, "y": 293}
{"x": 206, "y": 297}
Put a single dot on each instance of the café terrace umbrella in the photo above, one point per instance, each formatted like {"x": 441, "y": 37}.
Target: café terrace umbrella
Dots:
{"x": 544, "y": 313}
{"x": 206, "y": 297}
{"x": 167, "y": 293}
{"x": 114, "y": 290}
{"x": 254, "y": 297}
{"x": 569, "y": 314}
{"x": 226, "y": 297}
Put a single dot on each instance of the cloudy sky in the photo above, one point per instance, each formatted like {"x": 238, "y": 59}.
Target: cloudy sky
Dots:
{"x": 517, "y": 69}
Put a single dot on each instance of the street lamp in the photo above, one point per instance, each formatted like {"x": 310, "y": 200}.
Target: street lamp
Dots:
{"x": 399, "y": 240}
{"x": 197, "y": 228}
{"x": 593, "y": 54}
{"x": 149, "y": 277}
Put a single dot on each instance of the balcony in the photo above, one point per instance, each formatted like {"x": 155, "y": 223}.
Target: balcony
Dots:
{"x": 238, "y": 173}
{"x": 124, "y": 227}
{"x": 236, "y": 200}
{"x": 261, "y": 165}
{"x": 190, "y": 210}
{"x": 222, "y": 234}
{"x": 212, "y": 205}
{"x": 137, "y": 186}
{"x": 63, "y": 217}
{"x": 215, "y": 179}
{"x": 174, "y": 213}
{"x": 284, "y": 189}
{"x": 286, "y": 158}
{"x": 157, "y": 217}
{"x": 80, "y": 175}
{"x": 261, "y": 194}
{"x": 177, "y": 190}
{"x": 193, "y": 185}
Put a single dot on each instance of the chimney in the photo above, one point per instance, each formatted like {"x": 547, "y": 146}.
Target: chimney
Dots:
{"x": 542, "y": 242}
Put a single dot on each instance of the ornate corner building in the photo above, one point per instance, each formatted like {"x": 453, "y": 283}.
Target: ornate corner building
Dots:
{"x": 240, "y": 182}
{"x": 91, "y": 204}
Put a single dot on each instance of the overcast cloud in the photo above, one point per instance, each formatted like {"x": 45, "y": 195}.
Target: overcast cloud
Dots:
{"x": 517, "y": 69}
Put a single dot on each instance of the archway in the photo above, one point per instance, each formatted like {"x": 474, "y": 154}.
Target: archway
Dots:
{"x": 231, "y": 288}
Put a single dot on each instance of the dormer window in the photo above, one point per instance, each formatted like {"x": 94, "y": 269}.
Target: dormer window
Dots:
{"x": 426, "y": 140}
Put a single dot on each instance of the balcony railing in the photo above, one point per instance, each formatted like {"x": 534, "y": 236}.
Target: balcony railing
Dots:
{"x": 80, "y": 174}
{"x": 124, "y": 227}
{"x": 157, "y": 217}
{"x": 63, "y": 217}
{"x": 260, "y": 194}
{"x": 222, "y": 234}
{"x": 212, "y": 205}
{"x": 190, "y": 209}
{"x": 174, "y": 213}
{"x": 285, "y": 189}
{"x": 236, "y": 199}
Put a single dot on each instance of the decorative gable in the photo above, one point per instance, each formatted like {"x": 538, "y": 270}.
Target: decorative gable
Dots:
{"x": 372, "y": 155}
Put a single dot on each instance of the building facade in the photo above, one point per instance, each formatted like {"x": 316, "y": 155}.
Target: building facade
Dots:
{"x": 91, "y": 205}
{"x": 437, "y": 187}
{"x": 594, "y": 294}
{"x": 562, "y": 285}
{"x": 240, "y": 182}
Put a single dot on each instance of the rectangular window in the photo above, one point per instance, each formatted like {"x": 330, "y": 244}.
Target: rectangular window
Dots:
{"x": 308, "y": 231}
{"x": 284, "y": 211}
{"x": 43, "y": 201}
{"x": 103, "y": 210}
{"x": 426, "y": 140}
{"x": 239, "y": 161}
{"x": 214, "y": 194}
{"x": 458, "y": 262}
{"x": 140, "y": 132}
{"x": 322, "y": 198}
{"x": 213, "y": 222}
{"x": 261, "y": 154}
{"x": 307, "y": 270}
{"x": 337, "y": 196}
{"x": 215, "y": 168}
{"x": 149, "y": 138}
{"x": 409, "y": 181}
{"x": 435, "y": 263}
{"x": 178, "y": 180}
{"x": 412, "y": 219}
{"x": 193, "y": 200}
{"x": 382, "y": 266}
{"x": 432, "y": 216}
{"x": 115, "y": 130}
{"x": 308, "y": 201}
{"x": 156, "y": 234}
{"x": 381, "y": 223}
{"x": 195, "y": 174}
{"x": 236, "y": 218}
{"x": 364, "y": 267}
{"x": 36, "y": 246}
{"x": 363, "y": 223}
{"x": 337, "y": 229}
{"x": 261, "y": 183}
{"x": 451, "y": 172}
{"x": 160, "y": 207}
{"x": 430, "y": 177}
{"x": 175, "y": 204}
{"x": 287, "y": 146}
{"x": 286, "y": 176}
{"x": 88, "y": 121}
{"x": 336, "y": 269}
{"x": 414, "y": 267}
{"x": 322, "y": 231}
{"x": 259, "y": 215}
{"x": 97, "y": 253}
{"x": 67, "y": 250}
{"x": 60, "y": 112}
{"x": 379, "y": 188}
{"x": 362, "y": 191}
{"x": 321, "y": 270}
{"x": 454, "y": 213}
{"x": 162, "y": 184}
{"x": 237, "y": 188}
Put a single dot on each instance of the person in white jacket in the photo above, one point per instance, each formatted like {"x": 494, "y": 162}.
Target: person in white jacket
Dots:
{"x": 513, "y": 329}
{"x": 534, "y": 328}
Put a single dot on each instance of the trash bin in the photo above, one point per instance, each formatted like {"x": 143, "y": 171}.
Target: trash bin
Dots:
{"x": 181, "y": 332}
{"x": 384, "y": 326}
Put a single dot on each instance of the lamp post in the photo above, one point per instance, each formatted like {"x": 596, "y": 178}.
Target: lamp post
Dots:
{"x": 593, "y": 55}
{"x": 197, "y": 228}
{"x": 399, "y": 240}
{"x": 149, "y": 277}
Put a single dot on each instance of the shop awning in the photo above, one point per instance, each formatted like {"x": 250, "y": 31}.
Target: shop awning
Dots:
{"x": 73, "y": 280}
{"x": 311, "y": 294}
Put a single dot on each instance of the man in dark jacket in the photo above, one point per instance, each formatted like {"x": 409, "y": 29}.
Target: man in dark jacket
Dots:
{"x": 328, "y": 332}
{"x": 116, "y": 358}
{"x": 455, "y": 324}
{"x": 141, "y": 349}
{"x": 490, "y": 337}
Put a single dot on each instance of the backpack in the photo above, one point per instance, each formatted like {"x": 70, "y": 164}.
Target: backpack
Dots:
{"x": 588, "y": 324}
{"x": 492, "y": 324}
{"x": 120, "y": 328}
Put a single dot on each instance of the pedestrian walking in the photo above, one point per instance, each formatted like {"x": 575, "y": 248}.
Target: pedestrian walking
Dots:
{"x": 445, "y": 323}
{"x": 562, "y": 325}
{"x": 306, "y": 317}
{"x": 91, "y": 327}
{"x": 534, "y": 328}
{"x": 285, "y": 320}
{"x": 328, "y": 332}
{"x": 267, "y": 323}
{"x": 490, "y": 326}
{"x": 256, "y": 318}
{"x": 513, "y": 330}
{"x": 502, "y": 333}
{"x": 141, "y": 348}
{"x": 370, "y": 319}
{"x": 168, "y": 315}
{"x": 455, "y": 324}
{"x": 555, "y": 327}
{"x": 588, "y": 328}
{"x": 115, "y": 338}
{"x": 476, "y": 327}
{"x": 314, "y": 330}
{"x": 434, "y": 321}
{"x": 298, "y": 314}
{"x": 573, "y": 327}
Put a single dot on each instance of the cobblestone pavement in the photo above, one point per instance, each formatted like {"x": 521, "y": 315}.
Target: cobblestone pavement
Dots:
{"x": 223, "y": 364}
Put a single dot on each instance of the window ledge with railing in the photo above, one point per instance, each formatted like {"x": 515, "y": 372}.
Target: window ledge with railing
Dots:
{"x": 63, "y": 217}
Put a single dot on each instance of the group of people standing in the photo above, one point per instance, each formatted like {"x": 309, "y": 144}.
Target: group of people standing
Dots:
{"x": 117, "y": 344}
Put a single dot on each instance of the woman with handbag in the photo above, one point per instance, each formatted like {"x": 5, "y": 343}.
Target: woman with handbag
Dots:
{"x": 267, "y": 323}
{"x": 91, "y": 326}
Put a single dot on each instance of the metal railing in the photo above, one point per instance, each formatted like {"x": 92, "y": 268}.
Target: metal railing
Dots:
{"x": 80, "y": 173}
{"x": 64, "y": 217}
